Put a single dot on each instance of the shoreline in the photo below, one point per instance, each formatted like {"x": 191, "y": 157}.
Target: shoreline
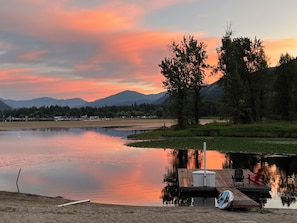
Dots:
{"x": 20, "y": 207}
{"x": 126, "y": 124}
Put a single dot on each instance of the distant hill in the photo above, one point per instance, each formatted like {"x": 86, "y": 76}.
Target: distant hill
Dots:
{"x": 3, "y": 106}
{"x": 45, "y": 101}
{"x": 127, "y": 98}
{"x": 210, "y": 92}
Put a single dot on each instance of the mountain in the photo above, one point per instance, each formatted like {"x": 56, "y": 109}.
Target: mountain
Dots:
{"x": 210, "y": 92}
{"x": 3, "y": 106}
{"x": 126, "y": 98}
{"x": 45, "y": 101}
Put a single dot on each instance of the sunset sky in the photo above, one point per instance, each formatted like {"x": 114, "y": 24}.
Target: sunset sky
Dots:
{"x": 95, "y": 48}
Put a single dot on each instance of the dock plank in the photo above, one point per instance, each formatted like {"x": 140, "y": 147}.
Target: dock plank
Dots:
{"x": 240, "y": 199}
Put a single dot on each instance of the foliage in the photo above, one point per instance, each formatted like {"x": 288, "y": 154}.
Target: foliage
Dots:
{"x": 184, "y": 76}
{"x": 48, "y": 113}
{"x": 239, "y": 60}
{"x": 286, "y": 88}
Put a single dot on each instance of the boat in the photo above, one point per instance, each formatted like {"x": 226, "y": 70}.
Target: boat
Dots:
{"x": 225, "y": 199}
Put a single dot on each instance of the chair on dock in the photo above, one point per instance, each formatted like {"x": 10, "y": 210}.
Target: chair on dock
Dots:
{"x": 238, "y": 176}
{"x": 258, "y": 177}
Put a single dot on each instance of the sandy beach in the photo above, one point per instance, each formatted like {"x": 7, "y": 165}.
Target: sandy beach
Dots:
{"x": 19, "y": 207}
{"x": 135, "y": 124}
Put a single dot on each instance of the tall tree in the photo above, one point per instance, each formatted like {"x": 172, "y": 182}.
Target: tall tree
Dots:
{"x": 239, "y": 59}
{"x": 184, "y": 74}
{"x": 286, "y": 88}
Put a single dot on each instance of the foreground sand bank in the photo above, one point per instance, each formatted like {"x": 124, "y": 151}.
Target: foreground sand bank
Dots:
{"x": 18, "y": 207}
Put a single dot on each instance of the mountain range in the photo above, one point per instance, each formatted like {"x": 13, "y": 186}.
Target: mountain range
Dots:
{"x": 122, "y": 98}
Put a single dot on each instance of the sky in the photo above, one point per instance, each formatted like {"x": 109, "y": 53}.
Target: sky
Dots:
{"x": 91, "y": 49}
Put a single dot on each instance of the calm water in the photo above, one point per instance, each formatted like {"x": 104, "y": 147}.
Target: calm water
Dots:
{"x": 95, "y": 164}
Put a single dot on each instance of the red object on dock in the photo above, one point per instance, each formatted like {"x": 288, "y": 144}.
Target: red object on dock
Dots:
{"x": 257, "y": 177}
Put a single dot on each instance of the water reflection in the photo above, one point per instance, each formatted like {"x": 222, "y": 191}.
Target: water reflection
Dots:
{"x": 94, "y": 163}
{"x": 280, "y": 174}
{"x": 80, "y": 164}
{"x": 190, "y": 159}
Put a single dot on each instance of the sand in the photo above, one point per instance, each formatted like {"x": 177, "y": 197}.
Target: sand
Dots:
{"x": 135, "y": 124}
{"x": 19, "y": 207}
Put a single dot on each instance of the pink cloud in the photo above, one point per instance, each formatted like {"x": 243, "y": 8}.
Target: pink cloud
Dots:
{"x": 11, "y": 75}
{"x": 117, "y": 54}
{"x": 31, "y": 56}
{"x": 144, "y": 54}
{"x": 16, "y": 81}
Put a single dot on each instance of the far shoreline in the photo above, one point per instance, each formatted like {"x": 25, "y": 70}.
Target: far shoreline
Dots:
{"x": 127, "y": 124}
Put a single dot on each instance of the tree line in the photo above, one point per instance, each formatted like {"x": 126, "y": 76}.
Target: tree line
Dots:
{"x": 50, "y": 112}
{"x": 251, "y": 91}
{"x": 142, "y": 110}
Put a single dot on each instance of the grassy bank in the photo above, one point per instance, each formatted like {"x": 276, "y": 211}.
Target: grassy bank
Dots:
{"x": 258, "y": 138}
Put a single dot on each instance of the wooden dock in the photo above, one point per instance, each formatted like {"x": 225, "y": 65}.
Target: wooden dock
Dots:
{"x": 224, "y": 181}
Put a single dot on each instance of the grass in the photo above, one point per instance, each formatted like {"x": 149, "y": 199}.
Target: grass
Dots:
{"x": 277, "y": 138}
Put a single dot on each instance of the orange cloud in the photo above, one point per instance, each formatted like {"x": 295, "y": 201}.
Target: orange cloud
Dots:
{"x": 275, "y": 47}
{"x": 56, "y": 21}
{"x": 35, "y": 55}
{"x": 95, "y": 20}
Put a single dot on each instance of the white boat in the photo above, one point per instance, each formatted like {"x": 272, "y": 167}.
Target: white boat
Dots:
{"x": 225, "y": 199}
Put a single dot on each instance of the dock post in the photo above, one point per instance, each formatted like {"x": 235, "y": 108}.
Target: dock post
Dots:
{"x": 204, "y": 149}
{"x": 17, "y": 180}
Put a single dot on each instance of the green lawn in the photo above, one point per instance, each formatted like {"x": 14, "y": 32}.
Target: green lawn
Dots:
{"x": 258, "y": 138}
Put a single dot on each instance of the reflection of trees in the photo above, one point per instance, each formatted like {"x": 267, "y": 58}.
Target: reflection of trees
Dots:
{"x": 179, "y": 159}
{"x": 170, "y": 191}
{"x": 279, "y": 173}
{"x": 287, "y": 189}
{"x": 182, "y": 156}
{"x": 288, "y": 200}
{"x": 282, "y": 177}
{"x": 243, "y": 160}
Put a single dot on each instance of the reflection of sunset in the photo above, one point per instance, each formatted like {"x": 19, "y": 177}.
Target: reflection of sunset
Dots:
{"x": 131, "y": 182}
{"x": 214, "y": 160}
{"x": 93, "y": 164}
{"x": 274, "y": 175}
{"x": 277, "y": 179}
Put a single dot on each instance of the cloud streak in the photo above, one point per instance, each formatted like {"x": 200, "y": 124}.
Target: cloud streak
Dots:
{"x": 93, "y": 49}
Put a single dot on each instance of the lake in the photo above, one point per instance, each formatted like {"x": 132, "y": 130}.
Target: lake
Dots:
{"x": 95, "y": 164}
